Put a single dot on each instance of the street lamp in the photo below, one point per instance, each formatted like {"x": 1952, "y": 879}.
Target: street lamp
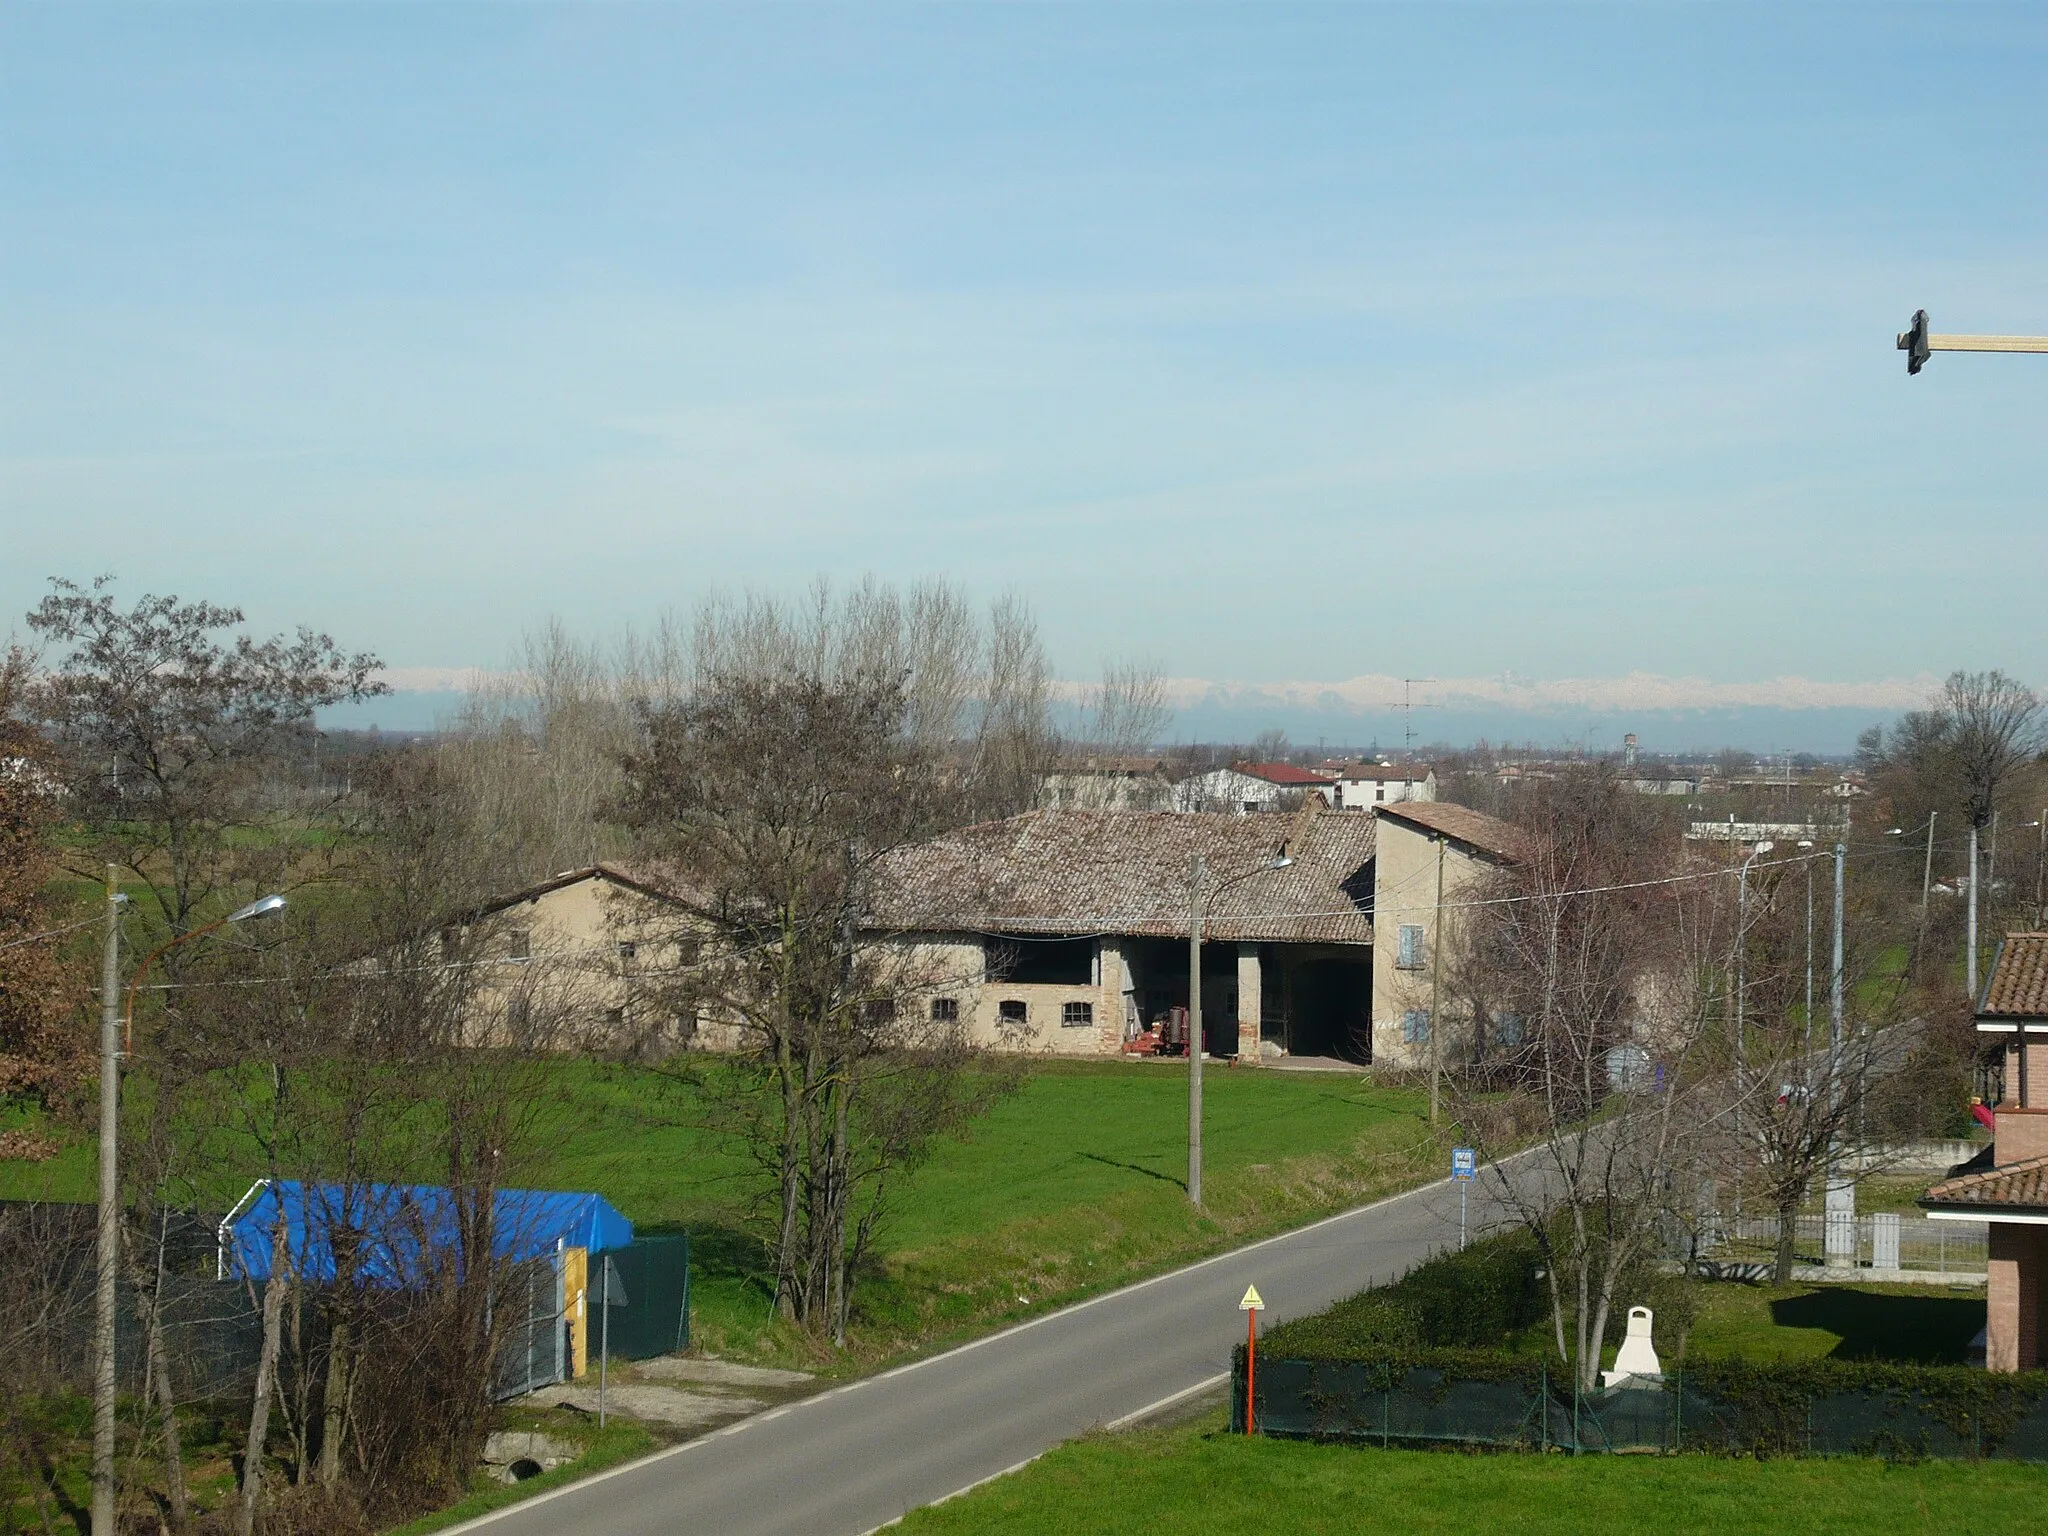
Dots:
{"x": 1197, "y": 908}
{"x": 1806, "y": 843}
{"x": 117, "y": 1017}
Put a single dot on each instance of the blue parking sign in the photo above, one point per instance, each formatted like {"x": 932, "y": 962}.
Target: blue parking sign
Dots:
{"x": 1463, "y": 1164}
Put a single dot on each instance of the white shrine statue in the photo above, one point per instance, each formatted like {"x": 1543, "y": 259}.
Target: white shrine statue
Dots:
{"x": 1636, "y": 1357}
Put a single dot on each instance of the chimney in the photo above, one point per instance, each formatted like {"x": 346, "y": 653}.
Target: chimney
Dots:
{"x": 1628, "y": 750}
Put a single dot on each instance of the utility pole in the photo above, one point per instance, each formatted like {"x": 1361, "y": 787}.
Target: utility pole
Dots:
{"x": 107, "y": 1257}
{"x": 1835, "y": 978}
{"x": 1971, "y": 958}
{"x": 2041, "y": 868}
{"x": 1436, "y": 972}
{"x": 1195, "y": 872}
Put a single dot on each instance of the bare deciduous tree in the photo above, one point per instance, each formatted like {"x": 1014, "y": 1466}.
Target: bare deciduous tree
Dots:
{"x": 814, "y": 742}
{"x": 1594, "y": 967}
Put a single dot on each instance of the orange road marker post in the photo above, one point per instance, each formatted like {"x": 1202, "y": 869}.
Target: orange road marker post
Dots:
{"x": 1252, "y": 1305}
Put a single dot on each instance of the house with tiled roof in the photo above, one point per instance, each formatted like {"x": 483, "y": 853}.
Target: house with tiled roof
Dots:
{"x": 2010, "y": 1190}
{"x": 1067, "y": 931}
{"x": 1252, "y": 788}
{"x": 1429, "y": 855}
{"x": 1361, "y": 786}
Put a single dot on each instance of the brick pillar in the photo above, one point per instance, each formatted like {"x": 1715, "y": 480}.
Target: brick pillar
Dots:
{"x": 2012, "y": 1298}
{"x": 1250, "y": 1005}
{"x": 1109, "y": 1004}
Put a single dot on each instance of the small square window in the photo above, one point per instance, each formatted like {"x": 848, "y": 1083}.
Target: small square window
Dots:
{"x": 945, "y": 1010}
{"x": 519, "y": 943}
{"x": 688, "y": 950}
{"x": 878, "y": 1010}
{"x": 628, "y": 950}
{"x": 1507, "y": 1031}
{"x": 615, "y": 1015}
{"x": 1076, "y": 1015}
{"x": 1012, "y": 1010}
{"x": 1415, "y": 1027}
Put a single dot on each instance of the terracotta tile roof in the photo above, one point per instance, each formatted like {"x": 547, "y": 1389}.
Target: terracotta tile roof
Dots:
{"x": 1286, "y": 774}
{"x": 611, "y": 873}
{"x": 2019, "y": 979}
{"x": 2017, "y": 1186}
{"x": 1476, "y": 829}
{"x": 1126, "y": 872}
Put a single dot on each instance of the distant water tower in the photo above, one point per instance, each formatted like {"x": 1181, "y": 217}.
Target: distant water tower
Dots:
{"x": 1628, "y": 750}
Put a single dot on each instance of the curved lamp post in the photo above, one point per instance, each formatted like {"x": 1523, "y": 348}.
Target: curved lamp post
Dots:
{"x": 116, "y": 1033}
{"x": 1198, "y": 903}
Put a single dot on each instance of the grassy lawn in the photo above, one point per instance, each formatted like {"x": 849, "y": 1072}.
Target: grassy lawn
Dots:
{"x": 1930, "y": 1325}
{"x": 1071, "y": 1186}
{"x": 1200, "y": 1479}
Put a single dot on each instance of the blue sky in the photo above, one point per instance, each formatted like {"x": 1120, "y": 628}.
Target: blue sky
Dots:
{"x": 1275, "y": 343}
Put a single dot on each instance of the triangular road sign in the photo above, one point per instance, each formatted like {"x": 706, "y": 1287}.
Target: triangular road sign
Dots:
{"x": 1253, "y": 1301}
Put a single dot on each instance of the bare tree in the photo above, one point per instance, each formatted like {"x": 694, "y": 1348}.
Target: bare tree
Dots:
{"x": 814, "y": 742}
{"x": 43, "y": 1053}
{"x": 1593, "y": 964}
{"x": 1127, "y": 710}
{"x": 171, "y": 733}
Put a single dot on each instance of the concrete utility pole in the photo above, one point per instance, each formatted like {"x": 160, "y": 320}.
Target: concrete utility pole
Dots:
{"x": 1195, "y": 1031}
{"x": 1917, "y": 343}
{"x": 1436, "y": 972}
{"x": 107, "y": 1257}
{"x": 1197, "y": 908}
{"x": 1971, "y": 941}
{"x": 1835, "y": 979}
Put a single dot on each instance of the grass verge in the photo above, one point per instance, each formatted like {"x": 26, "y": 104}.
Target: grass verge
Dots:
{"x": 619, "y": 1441}
{"x": 1203, "y": 1481}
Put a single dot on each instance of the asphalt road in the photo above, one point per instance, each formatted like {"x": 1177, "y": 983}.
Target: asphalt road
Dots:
{"x": 859, "y": 1456}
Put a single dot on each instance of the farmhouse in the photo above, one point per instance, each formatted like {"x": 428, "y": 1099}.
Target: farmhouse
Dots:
{"x": 2011, "y": 1191}
{"x": 1429, "y": 855}
{"x": 1067, "y": 930}
{"x": 1246, "y": 788}
{"x": 583, "y": 944}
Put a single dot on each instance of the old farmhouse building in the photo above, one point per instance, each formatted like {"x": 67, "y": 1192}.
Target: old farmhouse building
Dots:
{"x": 1067, "y": 930}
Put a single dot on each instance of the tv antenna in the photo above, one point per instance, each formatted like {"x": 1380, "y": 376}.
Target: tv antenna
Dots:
{"x": 1408, "y": 706}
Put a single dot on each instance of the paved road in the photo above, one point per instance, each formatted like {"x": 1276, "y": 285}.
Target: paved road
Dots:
{"x": 854, "y": 1458}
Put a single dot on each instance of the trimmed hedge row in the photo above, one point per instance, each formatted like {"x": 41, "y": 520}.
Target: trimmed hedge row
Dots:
{"x": 1472, "y": 1299}
{"x": 1421, "y": 1362}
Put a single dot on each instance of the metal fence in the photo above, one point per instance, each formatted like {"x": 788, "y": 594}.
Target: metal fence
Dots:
{"x": 654, "y": 1272}
{"x": 1331, "y": 1400}
{"x": 1840, "y": 1240}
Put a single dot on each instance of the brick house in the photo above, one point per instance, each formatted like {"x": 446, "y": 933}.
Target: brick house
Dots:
{"x": 2010, "y": 1190}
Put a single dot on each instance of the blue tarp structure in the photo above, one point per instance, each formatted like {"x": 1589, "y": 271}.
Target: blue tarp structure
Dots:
{"x": 402, "y": 1233}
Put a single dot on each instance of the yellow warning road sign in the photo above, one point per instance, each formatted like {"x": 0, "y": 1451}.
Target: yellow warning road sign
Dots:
{"x": 1253, "y": 1301}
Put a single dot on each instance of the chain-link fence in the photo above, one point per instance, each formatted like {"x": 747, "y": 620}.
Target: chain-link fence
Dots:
{"x": 1843, "y": 1240}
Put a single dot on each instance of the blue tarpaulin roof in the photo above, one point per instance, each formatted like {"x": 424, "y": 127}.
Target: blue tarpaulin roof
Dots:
{"x": 404, "y": 1232}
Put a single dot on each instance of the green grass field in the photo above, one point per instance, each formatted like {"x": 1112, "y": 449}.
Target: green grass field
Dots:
{"x": 1072, "y": 1185}
{"x": 1203, "y": 1481}
{"x": 1929, "y": 1325}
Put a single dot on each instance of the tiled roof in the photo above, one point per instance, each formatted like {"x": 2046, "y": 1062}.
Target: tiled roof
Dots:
{"x": 1476, "y": 829}
{"x": 612, "y": 873}
{"x": 1286, "y": 774}
{"x": 2016, "y": 1186}
{"x": 1126, "y": 872}
{"x": 2019, "y": 979}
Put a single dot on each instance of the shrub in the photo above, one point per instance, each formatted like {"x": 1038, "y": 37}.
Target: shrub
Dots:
{"x": 1472, "y": 1299}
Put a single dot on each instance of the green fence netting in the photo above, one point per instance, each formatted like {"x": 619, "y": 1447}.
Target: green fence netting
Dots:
{"x": 655, "y": 1319}
{"x": 1527, "y": 1408}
